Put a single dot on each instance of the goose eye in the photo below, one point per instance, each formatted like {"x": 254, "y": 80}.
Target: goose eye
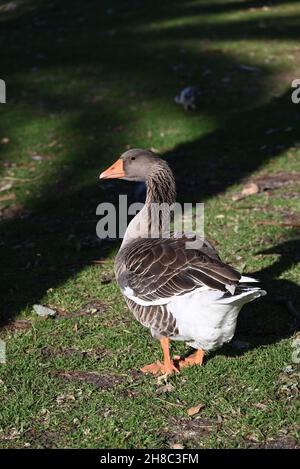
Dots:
{"x": 132, "y": 158}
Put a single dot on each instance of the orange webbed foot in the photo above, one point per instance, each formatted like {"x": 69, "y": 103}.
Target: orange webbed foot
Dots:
{"x": 196, "y": 358}
{"x": 153, "y": 368}
{"x": 167, "y": 367}
{"x": 160, "y": 368}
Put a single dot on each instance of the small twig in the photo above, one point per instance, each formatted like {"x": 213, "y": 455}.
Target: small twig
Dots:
{"x": 169, "y": 403}
{"x": 10, "y": 178}
{"x": 278, "y": 223}
{"x": 104, "y": 261}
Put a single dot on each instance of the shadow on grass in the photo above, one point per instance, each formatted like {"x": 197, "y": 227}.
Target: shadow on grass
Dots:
{"x": 114, "y": 44}
{"x": 277, "y": 316}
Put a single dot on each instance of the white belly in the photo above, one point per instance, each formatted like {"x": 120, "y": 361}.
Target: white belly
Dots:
{"x": 202, "y": 321}
{"x": 205, "y": 318}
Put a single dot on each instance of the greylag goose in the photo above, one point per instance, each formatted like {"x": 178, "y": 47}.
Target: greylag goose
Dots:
{"x": 179, "y": 293}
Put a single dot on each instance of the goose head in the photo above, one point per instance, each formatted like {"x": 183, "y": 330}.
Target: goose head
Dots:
{"x": 134, "y": 165}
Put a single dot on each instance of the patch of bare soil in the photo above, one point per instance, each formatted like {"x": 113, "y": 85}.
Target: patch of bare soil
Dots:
{"x": 18, "y": 325}
{"x": 276, "y": 180}
{"x": 13, "y": 211}
{"x": 92, "y": 308}
{"x": 288, "y": 385}
{"x": 104, "y": 381}
{"x": 284, "y": 442}
{"x": 185, "y": 429}
{"x": 42, "y": 438}
{"x": 267, "y": 183}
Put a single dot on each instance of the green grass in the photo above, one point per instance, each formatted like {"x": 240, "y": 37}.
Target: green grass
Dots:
{"x": 83, "y": 84}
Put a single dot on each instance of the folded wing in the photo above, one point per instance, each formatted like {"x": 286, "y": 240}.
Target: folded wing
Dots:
{"x": 153, "y": 271}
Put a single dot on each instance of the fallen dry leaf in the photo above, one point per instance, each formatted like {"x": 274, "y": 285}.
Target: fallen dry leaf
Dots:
{"x": 53, "y": 143}
{"x": 5, "y": 186}
{"x": 176, "y": 446}
{"x": 5, "y": 140}
{"x": 250, "y": 189}
{"x": 195, "y": 409}
{"x": 7, "y": 197}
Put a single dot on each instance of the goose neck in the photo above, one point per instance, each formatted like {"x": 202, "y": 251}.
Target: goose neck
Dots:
{"x": 161, "y": 186}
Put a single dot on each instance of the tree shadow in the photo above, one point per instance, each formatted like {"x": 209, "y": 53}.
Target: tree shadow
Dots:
{"x": 235, "y": 150}
{"x": 277, "y": 315}
{"x": 43, "y": 247}
{"x": 282, "y": 291}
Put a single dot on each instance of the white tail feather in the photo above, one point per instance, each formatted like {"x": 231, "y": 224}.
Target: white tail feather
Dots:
{"x": 244, "y": 297}
{"x": 244, "y": 279}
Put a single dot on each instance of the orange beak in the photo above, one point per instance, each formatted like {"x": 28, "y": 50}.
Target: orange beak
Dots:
{"x": 116, "y": 170}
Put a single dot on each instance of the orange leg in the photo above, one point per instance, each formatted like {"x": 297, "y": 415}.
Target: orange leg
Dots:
{"x": 167, "y": 367}
{"x": 194, "y": 359}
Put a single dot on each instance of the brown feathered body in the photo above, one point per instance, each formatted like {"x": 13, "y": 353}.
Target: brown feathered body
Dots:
{"x": 182, "y": 293}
